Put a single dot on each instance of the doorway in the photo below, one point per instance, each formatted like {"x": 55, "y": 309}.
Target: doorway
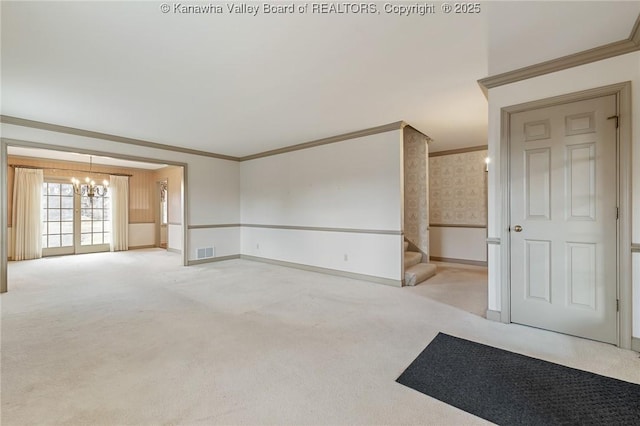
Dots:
{"x": 563, "y": 218}
{"x": 162, "y": 190}
{"x": 60, "y": 164}
{"x": 567, "y": 175}
{"x": 74, "y": 223}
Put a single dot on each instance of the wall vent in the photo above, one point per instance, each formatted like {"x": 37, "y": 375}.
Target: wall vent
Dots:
{"x": 205, "y": 252}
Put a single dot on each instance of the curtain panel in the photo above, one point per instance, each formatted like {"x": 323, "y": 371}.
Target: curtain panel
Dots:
{"x": 119, "y": 188}
{"x": 27, "y": 214}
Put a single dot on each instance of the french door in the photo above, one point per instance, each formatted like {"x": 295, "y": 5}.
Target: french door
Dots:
{"x": 73, "y": 223}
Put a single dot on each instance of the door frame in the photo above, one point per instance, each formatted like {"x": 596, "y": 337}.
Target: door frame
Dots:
{"x": 158, "y": 215}
{"x": 6, "y": 142}
{"x": 66, "y": 250}
{"x": 622, "y": 91}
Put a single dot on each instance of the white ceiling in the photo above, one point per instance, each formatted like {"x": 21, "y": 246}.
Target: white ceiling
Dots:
{"x": 523, "y": 33}
{"x": 240, "y": 84}
{"x": 79, "y": 158}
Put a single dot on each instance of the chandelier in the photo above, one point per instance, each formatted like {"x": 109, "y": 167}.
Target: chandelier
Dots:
{"x": 89, "y": 187}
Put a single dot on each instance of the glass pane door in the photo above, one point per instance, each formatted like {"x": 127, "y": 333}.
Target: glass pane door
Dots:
{"x": 73, "y": 223}
{"x": 57, "y": 218}
{"x": 95, "y": 221}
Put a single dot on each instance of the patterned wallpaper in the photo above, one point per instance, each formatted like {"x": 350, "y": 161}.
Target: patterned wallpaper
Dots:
{"x": 416, "y": 189}
{"x": 457, "y": 189}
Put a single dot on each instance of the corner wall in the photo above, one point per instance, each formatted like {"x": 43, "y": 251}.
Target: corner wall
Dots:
{"x": 335, "y": 206}
{"x": 416, "y": 189}
{"x": 175, "y": 184}
{"x": 602, "y": 73}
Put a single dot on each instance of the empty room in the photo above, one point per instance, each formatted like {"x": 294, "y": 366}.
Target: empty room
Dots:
{"x": 321, "y": 213}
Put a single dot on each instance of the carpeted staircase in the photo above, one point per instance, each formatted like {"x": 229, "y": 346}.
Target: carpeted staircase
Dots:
{"x": 416, "y": 270}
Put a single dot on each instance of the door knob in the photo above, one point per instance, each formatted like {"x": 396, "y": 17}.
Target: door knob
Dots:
{"x": 517, "y": 228}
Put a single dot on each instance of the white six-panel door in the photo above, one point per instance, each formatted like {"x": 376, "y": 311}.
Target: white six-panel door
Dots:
{"x": 564, "y": 218}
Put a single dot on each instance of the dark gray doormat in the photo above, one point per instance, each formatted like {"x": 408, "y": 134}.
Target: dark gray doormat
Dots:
{"x": 512, "y": 389}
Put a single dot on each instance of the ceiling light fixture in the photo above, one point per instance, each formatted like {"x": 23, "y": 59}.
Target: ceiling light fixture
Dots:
{"x": 89, "y": 187}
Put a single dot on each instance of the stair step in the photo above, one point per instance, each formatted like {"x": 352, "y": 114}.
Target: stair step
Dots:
{"x": 406, "y": 246}
{"x": 419, "y": 273}
{"x": 411, "y": 258}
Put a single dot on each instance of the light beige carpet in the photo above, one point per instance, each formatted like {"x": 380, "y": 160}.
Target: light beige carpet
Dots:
{"x": 135, "y": 338}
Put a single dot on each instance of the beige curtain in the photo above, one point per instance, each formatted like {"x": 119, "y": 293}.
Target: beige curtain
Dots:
{"x": 119, "y": 189}
{"x": 27, "y": 214}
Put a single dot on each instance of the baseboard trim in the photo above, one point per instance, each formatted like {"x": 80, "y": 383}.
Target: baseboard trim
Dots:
{"x": 212, "y": 260}
{"x": 493, "y": 315}
{"x": 462, "y": 261}
{"x": 310, "y": 268}
{"x": 635, "y": 344}
{"x": 141, "y": 247}
{"x": 172, "y": 250}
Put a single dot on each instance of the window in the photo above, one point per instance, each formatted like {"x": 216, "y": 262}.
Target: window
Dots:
{"x": 164, "y": 205}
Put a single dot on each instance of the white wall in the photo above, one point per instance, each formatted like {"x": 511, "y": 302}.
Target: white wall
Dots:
{"x": 163, "y": 234}
{"x": 610, "y": 71}
{"x": 366, "y": 254}
{"x": 355, "y": 184}
{"x": 142, "y": 234}
{"x": 351, "y": 184}
{"x": 225, "y": 241}
{"x": 213, "y": 184}
{"x": 458, "y": 243}
{"x": 174, "y": 237}
{"x": 215, "y": 189}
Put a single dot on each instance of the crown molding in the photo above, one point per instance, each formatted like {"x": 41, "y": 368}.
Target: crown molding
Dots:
{"x": 635, "y": 32}
{"x": 86, "y": 151}
{"x": 621, "y": 47}
{"x": 398, "y": 125}
{"x": 106, "y": 136}
{"x": 459, "y": 151}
